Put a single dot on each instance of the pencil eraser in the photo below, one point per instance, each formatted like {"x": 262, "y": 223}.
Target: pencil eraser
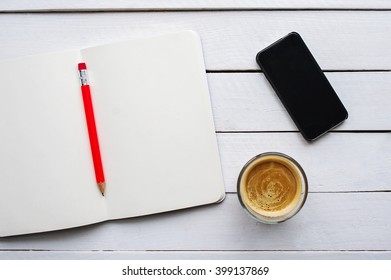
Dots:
{"x": 82, "y": 66}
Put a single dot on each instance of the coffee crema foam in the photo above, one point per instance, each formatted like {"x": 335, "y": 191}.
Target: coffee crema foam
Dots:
{"x": 271, "y": 186}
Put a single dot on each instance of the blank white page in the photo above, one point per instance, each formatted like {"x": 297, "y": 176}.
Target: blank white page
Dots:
{"x": 47, "y": 178}
{"x": 158, "y": 140}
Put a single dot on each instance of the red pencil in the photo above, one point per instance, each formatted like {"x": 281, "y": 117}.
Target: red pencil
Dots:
{"x": 93, "y": 135}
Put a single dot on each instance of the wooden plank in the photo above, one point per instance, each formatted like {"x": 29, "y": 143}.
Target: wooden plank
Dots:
{"x": 246, "y": 101}
{"x": 87, "y": 5}
{"x": 334, "y": 163}
{"x": 230, "y": 39}
{"x": 197, "y": 255}
{"x": 336, "y": 221}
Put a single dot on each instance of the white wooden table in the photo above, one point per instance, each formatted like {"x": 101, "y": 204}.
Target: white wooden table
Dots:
{"x": 347, "y": 214}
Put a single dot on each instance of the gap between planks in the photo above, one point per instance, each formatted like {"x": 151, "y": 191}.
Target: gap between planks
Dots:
{"x": 337, "y": 192}
{"x": 182, "y": 251}
{"x": 184, "y": 10}
{"x": 238, "y": 71}
{"x": 296, "y": 131}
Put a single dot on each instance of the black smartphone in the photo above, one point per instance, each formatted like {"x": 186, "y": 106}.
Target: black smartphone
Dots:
{"x": 301, "y": 86}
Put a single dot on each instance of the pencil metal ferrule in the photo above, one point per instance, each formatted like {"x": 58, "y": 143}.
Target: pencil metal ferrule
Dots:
{"x": 83, "y": 77}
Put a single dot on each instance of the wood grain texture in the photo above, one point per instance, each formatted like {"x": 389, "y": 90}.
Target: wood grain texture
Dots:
{"x": 337, "y": 162}
{"x": 195, "y": 255}
{"x": 87, "y": 5}
{"x": 230, "y": 39}
{"x": 331, "y": 225}
{"x": 357, "y": 221}
{"x": 246, "y": 101}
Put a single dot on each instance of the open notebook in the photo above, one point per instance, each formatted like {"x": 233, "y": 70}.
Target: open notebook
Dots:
{"x": 155, "y": 127}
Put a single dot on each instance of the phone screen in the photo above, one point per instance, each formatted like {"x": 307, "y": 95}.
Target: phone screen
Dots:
{"x": 301, "y": 85}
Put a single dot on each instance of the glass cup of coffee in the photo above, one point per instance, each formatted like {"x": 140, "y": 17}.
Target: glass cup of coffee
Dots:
{"x": 272, "y": 187}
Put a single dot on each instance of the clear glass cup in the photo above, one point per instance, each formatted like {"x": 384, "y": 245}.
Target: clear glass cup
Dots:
{"x": 272, "y": 187}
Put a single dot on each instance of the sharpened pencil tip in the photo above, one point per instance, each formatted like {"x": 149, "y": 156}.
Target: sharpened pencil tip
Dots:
{"x": 102, "y": 186}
